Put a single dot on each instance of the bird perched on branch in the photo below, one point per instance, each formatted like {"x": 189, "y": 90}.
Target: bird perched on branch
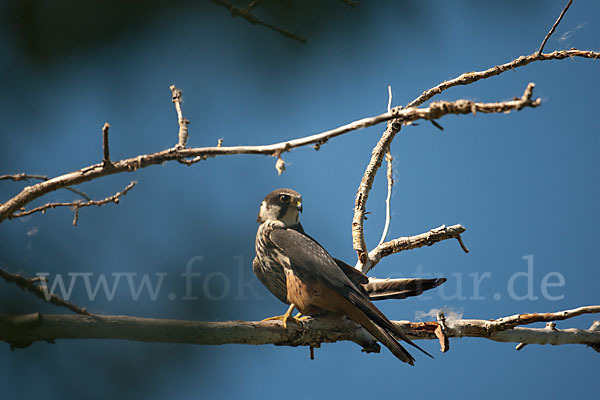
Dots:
{"x": 300, "y": 272}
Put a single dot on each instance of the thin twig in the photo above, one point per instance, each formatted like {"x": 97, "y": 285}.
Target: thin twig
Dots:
{"x": 250, "y": 6}
{"x": 29, "y": 284}
{"x": 239, "y": 12}
{"x": 22, "y": 177}
{"x": 105, "y": 150}
{"x": 183, "y": 122}
{"x": 520, "y": 346}
{"x": 390, "y": 180}
{"x": 560, "y": 17}
{"x": 388, "y": 200}
{"x": 76, "y": 205}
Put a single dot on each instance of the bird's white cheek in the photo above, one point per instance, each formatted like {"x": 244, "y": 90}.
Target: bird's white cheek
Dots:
{"x": 263, "y": 210}
{"x": 268, "y": 212}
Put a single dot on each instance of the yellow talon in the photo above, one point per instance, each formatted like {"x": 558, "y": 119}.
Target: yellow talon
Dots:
{"x": 287, "y": 317}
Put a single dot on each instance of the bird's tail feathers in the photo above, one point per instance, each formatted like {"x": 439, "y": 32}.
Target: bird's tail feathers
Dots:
{"x": 387, "y": 339}
{"x": 383, "y": 289}
{"x": 379, "y": 319}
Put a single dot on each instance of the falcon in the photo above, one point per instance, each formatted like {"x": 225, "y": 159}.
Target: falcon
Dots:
{"x": 300, "y": 272}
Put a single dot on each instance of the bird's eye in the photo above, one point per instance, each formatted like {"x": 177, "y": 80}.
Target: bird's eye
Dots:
{"x": 284, "y": 198}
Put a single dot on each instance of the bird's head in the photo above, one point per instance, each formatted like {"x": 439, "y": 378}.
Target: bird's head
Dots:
{"x": 282, "y": 205}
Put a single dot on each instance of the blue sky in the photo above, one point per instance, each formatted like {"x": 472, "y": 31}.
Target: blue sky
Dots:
{"x": 521, "y": 183}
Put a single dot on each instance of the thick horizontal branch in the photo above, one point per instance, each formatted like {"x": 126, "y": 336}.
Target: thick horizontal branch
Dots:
{"x": 436, "y": 110}
{"x": 22, "y": 330}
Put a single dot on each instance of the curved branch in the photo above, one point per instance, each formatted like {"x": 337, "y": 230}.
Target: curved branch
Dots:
{"x": 436, "y": 110}
{"x": 360, "y": 203}
{"x": 91, "y": 172}
{"x": 358, "y": 240}
{"x": 22, "y": 330}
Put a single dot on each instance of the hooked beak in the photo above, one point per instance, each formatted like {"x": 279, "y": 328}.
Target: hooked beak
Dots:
{"x": 298, "y": 205}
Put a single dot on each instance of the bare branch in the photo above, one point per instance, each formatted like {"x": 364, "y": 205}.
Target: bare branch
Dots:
{"x": 360, "y": 203}
{"x": 525, "y": 319}
{"x": 183, "y": 123}
{"x": 471, "y": 77}
{"x": 27, "y": 177}
{"x": 22, "y": 177}
{"x": 560, "y": 17}
{"x": 436, "y": 110}
{"x": 197, "y": 154}
{"x": 76, "y": 205}
{"x": 30, "y": 285}
{"x": 244, "y": 13}
{"x": 22, "y": 330}
{"x": 105, "y": 150}
{"x": 412, "y": 242}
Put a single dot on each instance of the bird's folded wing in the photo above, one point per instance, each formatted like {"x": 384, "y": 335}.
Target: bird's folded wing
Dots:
{"x": 309, "y": 261}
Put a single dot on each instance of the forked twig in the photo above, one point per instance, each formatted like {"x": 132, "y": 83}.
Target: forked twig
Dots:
{"x": 245, "y": 13}
{"x": 560, "y": 17}
{"x": 76, "y": 205}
